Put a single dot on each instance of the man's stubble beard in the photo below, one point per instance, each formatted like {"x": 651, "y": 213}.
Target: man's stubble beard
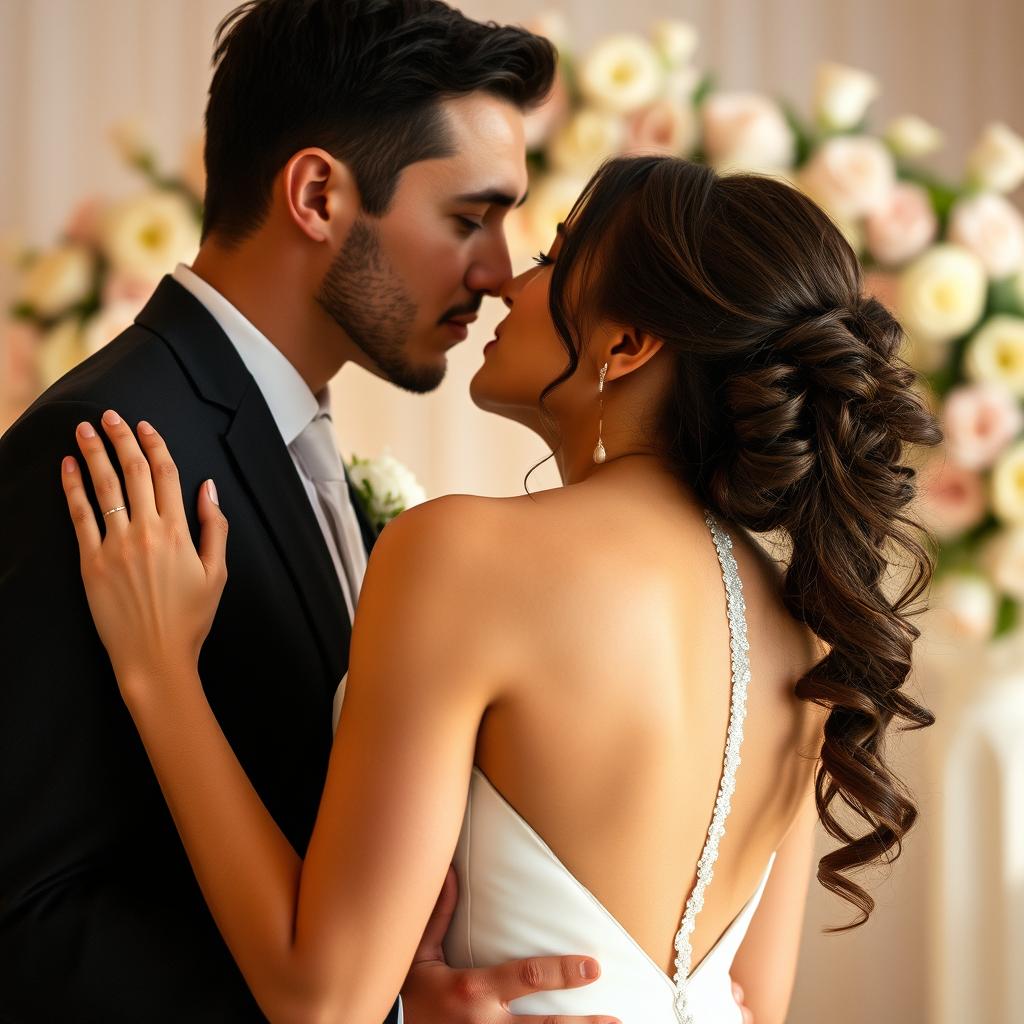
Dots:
{"x": 366, "y": 298}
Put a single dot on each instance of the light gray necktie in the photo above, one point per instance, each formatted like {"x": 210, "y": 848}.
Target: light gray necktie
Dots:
{"x": 317, "y": 453}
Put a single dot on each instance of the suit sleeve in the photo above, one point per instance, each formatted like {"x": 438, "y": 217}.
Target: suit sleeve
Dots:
{"x": 100, "y": 916}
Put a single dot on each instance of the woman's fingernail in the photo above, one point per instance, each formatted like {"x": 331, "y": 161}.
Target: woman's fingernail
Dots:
{"x": 86, "y": 430}
{"x": 145, "y": 428}
{"x": 211, "y": 489}
{"x": 69, "y": 465}
{"x": 111, "y": 418}
{"x": 588, "y": 969}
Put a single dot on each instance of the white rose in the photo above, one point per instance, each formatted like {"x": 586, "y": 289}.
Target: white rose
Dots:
{"x": 131, "y": 138}
{"x": 106, "y": 324}
{"x": 60, "y": 350}
{"x": 590, "y": 137}
{"x": 1008, "y": 485}
{"x": 849, "y": 176}
{"x": 903, "y": 226}
{"x": 913, "y": 137}
{"x": 58, "y": 280}
{"x": 996, "y": 353}
{"x": 942, "y": 293}
{"x": 992, "y": 228}
{"x": 622, "y": 73}
{"x": 843, "y": 95}
{"x": 746, "y": 132}
{"x": 676, "y": 41}
{"x": 148, "y": 235}
{"x": 386, "y": 486}
{"x": 1002, "y": 557}
{"x": 997, "y": 161}
{"x": 968, "y": 604}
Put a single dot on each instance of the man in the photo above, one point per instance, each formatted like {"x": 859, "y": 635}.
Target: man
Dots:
{"x": 361, "y": 157}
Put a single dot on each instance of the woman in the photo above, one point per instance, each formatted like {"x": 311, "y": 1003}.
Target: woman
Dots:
{"x": 563, "y": 658}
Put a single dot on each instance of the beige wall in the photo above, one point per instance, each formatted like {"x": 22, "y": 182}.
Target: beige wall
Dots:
{"x": 69, "y": 68}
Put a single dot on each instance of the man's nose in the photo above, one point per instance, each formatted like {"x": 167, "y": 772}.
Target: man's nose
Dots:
{"x": 491, "y": 271}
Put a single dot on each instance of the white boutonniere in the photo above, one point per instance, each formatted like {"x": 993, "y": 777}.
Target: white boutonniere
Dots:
{"x": 384, "y": 488}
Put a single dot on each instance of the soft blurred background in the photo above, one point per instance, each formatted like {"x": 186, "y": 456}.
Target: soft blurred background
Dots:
{"x": 902, "y": 117}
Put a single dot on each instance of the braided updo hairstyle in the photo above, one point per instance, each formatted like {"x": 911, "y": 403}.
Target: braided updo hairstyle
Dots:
{"x": 791, "y": 411}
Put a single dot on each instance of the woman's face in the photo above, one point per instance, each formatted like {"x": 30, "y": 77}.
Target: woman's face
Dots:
{"x": 527, "y": 353}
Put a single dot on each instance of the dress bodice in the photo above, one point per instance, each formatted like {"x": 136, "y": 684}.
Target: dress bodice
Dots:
{"x": 517, "y": 898}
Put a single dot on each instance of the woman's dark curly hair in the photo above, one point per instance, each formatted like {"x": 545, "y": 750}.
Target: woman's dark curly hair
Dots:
{"x": 791, "y": 410}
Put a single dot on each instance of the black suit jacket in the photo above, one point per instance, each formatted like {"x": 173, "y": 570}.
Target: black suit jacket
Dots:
{"x": 100, "y": 915}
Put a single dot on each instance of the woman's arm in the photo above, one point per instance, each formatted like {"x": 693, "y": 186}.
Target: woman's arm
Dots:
{"x": 330, "y": 938}
{"x": 766, "y": 963}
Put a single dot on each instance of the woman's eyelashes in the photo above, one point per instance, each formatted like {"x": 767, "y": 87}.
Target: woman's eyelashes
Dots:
{"x": 543, "y": 260}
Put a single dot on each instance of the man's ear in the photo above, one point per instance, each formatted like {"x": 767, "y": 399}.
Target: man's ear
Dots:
{"x": 321, "y": 195}
{"x": 626, "y": 350}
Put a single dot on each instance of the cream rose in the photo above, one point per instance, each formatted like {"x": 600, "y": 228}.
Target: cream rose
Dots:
{"x": 913, "y": 137}
{"x": 1002, "y": 557}
{"x": 106, "y": 324}
{"x": 1008, "y": 485}
{"x": 902, "y": 226}
{"x": 58, "y": 280}
{"x": 664, "y": 127}
{"x": 996, "y": 353}
{"x": 950, "y": 499}
{"x": 942, "y": 293}
{"x": 842, "y": 95}
{"x": 979, "y": 421}
{"x": 849, "y": 176}
{"x": 60, "y": 350}
{"x": 967, "y": 604}
{"x": 590, "y": 137}
{"x": 991, "y": 227}
{"x": 997, "y": 161}
{"x": 385, "y": 487}
{"x": 745, "y": 131}
{"x": 622, "y": 73}
{"x": 675, "y": 41}
{"x": 548, "y": 206}
{"x": 147, "y": 235}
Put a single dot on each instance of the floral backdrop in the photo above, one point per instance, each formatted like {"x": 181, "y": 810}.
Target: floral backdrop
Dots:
{"x": 946, "y": 256}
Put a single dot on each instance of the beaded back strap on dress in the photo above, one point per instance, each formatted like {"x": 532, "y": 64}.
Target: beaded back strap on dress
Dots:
{"x": 734, "y": 737}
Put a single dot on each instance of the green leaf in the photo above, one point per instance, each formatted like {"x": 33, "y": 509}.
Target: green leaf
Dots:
{"x": 1006, "y": 615}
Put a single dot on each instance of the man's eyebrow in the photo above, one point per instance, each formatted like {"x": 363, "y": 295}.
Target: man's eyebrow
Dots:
{"x": 491, "y": 197}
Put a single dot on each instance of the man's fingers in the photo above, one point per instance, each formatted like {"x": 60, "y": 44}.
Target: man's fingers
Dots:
{"x": 430, "y": 947}
{"x": 138, "y": 480}
{"x": 166, "y": 483}
{"x": 543, "y": 974}
{"x": 104, "y": 480}
{"x": 82, "y": 515}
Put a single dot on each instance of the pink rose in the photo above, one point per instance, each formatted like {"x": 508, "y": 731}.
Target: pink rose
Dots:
{"x": 746, "y": 131}
{"x": 979, "y": 421}
{"x": 902, "y": 225}
{"x": 18, "y": 372}
{"x": 126, "y": 289}
{"x": 992, "y": 228}
{"x": 83, "y": 225}
{"x": 663, "y": 127}
{"x": 883, "y": 286}
{"x": 849, "y": 176}
{"x": 951, "y": 499}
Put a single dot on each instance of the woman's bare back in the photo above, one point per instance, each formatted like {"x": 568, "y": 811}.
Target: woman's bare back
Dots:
{"x": 610, "y": 738}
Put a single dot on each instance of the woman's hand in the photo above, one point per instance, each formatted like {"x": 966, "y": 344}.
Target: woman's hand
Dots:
{"x": 152, "y": 596}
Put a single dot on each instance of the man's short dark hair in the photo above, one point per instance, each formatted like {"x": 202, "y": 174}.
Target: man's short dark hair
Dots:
{"x": 362, "y": 79}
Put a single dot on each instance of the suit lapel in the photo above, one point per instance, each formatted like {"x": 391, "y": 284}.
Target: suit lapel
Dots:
{"x": 264, "y": 463}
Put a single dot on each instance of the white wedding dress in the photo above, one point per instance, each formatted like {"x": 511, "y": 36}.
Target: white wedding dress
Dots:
{"x": 517, "y": 899}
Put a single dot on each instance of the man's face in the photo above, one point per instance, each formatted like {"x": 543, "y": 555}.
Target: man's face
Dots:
{"x": 404, "y": 286}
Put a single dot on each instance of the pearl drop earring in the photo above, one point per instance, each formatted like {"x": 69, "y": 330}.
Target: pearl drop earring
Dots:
{"x": 599, "y": 453}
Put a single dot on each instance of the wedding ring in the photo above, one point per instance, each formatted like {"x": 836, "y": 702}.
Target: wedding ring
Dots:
{"x": 120, "y": 508}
